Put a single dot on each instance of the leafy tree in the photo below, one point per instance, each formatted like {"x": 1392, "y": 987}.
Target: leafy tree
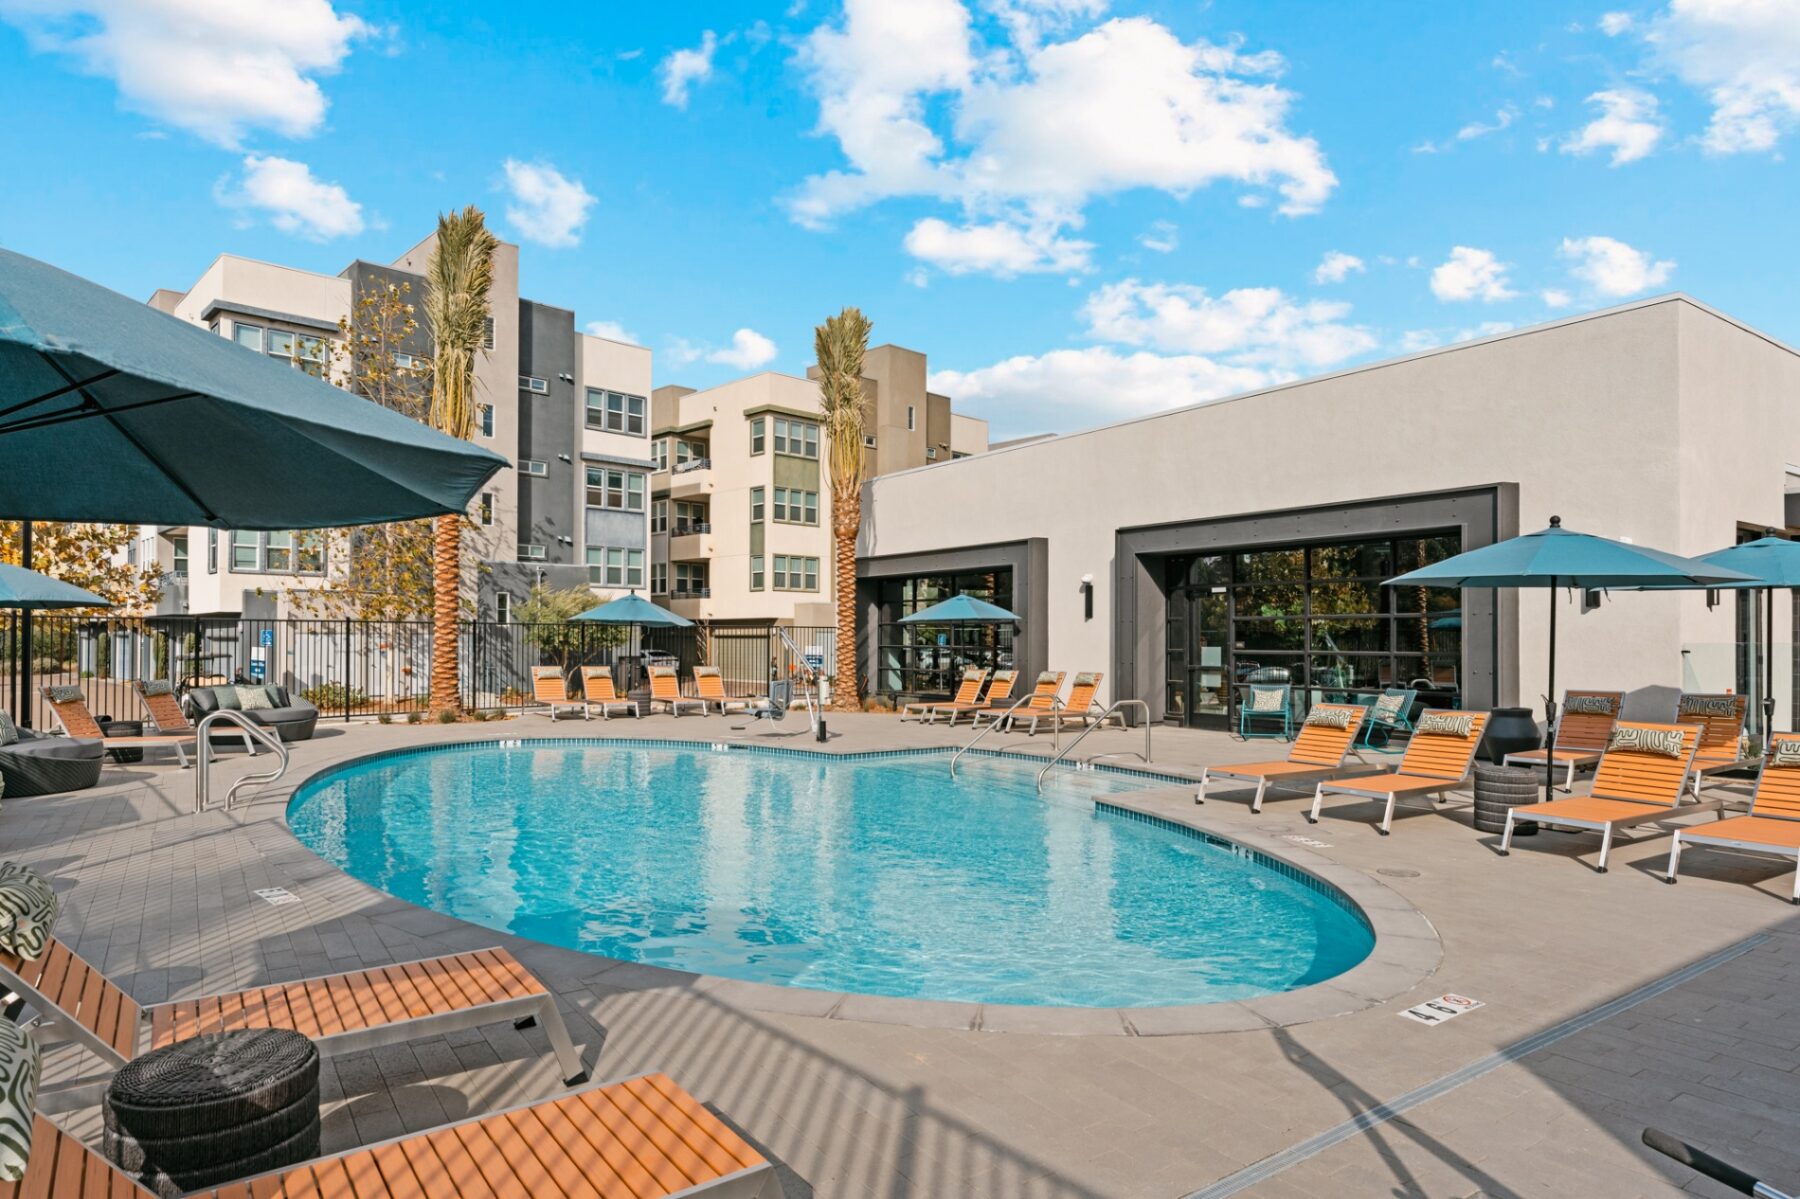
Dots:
{"x": 548, "y": 616}
{"x": 92, "y": 557}
{"x": 839, "y": 345}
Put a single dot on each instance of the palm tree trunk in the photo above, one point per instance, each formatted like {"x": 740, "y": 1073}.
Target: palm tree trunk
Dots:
{"x": 446, "y": 595}
{"x": 846, "y": 519}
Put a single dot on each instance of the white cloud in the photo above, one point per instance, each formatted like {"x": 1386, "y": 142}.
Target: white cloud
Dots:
{"x": 1258, "y": 326}
{"x": 682, "y": 69}
{"x": 995, "y": 248}
{"x": 1414, "y": 340}
{"x": 612, "y": 331}
{"x": 217, "y": 68}
{"x": 1161, "y": 237}
{"x": 1337, "y": 266}
{"x": 1066, "y": 389}
{"x": 292, "y": 200}
{"x": 547, "y": 207}
{"x": 1628, "y": 124}
{"x": 1474, "y": 129}
{"x": 1555, "y": 297}
{"x": 1027, "y": 21}
{"x": 1612, "y": 24}
{"x": 1612, "y": 268}
{"x": 1745, "y": 55}
{"x": 748, "y": 351}
{"x": 1470, "y": 274}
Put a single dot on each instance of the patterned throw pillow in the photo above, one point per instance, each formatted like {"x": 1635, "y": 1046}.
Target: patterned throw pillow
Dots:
{"x": 62, "y": 695}
{"x": 1588, "y": 705}
{"x": 9, "y": 732}
{"x": 252, "y": 699}
{"x": 1387, "y": 708}
{"x": 1637, "y": 739}
{"x": 159, "y": 687}
{"x": 1709, "y": 705}
{"x": 18, "y": 1098}
{"x": 28, "y": 909}
{"x": 1331, "y": 718}
{"x": 1048, "y": 677}
{"x": 1086, "y": 678}
{"x": 1446, "y": 724}
{"x": 1786, "y": 751}
{"x": 1267, "y": 699}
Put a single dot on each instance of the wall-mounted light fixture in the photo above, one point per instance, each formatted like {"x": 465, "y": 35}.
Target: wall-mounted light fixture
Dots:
{"x": 566, "y": 377}
{"x": 1087, "y": 596}
{"x": 566, "y": 458}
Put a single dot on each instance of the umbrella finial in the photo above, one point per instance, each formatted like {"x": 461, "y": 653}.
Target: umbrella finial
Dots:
{"x": 1556, "y": 522}
{"x": 1771, "y": 531}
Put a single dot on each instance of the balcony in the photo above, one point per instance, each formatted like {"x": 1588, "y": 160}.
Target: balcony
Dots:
{"x": 691, "y": 478}
{"x": 690, "y": 593}
{"x": 690, "y": 541}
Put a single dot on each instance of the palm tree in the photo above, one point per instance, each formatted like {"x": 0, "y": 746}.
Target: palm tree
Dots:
{"x": 456, "y": 308}
{"x": 839, "y": 345}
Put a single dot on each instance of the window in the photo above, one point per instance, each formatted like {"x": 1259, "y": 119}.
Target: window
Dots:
{"x": 659, "y": 578}
{"x": 487, "y": 332}
{"x": 690, "y": 518}
{"x": 911, "y": 419}
{"x": 868, "y": 441}
{"x": 797, "y": 437}
{"x": 309, "y": 553}
{"x": 487, "y": 420}
{"x": 502, "y": 608}
{"x": 529, "y": 552}
{"x": 756, "y": 504}
{"x": 279, "y": 558}
{"x": 212, "y": 551}
{"x": 796, "y": 573}
{"x": 248, "y": 336}
{"x": 613, "y": 567}
{"x": 690, "y": 579}
{"x": 659, "y": 516}
{"x": 531, "y": 466}
{"x": 756, "y": 572}
{"x": 659, "y": 453}
{"x": 298, "y": 350}
{"x": 244, "y": 547}
{"x": 534, "y": 385}
{"x": 796, "y": 507}
{"x": 485, "y": 513}
{"x": 267, "y": 553}
{"x": 621, "y": 490}
{"x": 179, "y": 546}
{"x": 408, "y": 362}
{"x": 931, "y": 453}
{"x": 688, "y": 451}
{"x": 757, "y": 429}
{"x": 615, "y": 412}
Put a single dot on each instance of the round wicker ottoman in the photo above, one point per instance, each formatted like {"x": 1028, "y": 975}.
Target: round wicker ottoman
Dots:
{"x": 214, "y": 1108}
{"x": 1498, "y": 788}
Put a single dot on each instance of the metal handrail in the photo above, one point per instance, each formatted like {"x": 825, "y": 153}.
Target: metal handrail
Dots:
{"x": 1111, "y": 709}
{"x": 815, "y": 702}
{"x": 1055, "y": 728}
{"x": 252, "y": 732}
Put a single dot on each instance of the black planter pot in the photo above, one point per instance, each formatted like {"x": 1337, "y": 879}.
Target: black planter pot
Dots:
{"x": 1509, "y": 731}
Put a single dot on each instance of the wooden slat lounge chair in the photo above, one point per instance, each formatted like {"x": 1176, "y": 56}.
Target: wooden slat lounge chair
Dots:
{"x": 1438, "y": 757}
{"x": 342, "y": 1013}
{"x": 550, "y": 688}
{"x": 1583, "y": 727}
{"x": 170, "y": 720}
{"x": 967, "y": 692}
{"x": 1632, "y": 786}
{"x": 1720, "y": 718}
{"x": 1773, "y": 823}
{"x": 711, "y": 686}
{"x": 999, "y": 694}
{"x": 71, "y": 711}
{"x": 665, "y": 689}
{"x": 1079, "y": 708}
{"x": 1320, "y": 751}
{"x": 1043, "y": 699}
{"x": 640, "y": 1138}
{"x": 597, "y": 691}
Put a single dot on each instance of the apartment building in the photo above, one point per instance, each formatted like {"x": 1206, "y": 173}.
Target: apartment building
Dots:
{"x": 571, "y": 410}
{"x": 740, "y": 494}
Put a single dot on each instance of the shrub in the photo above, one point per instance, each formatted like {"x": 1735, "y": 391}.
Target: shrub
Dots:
{"x": 383, "y": 718}
{"x": 447, "y": 716}
{"x": 414, "y": 717}
{"x": 331, "y": 697}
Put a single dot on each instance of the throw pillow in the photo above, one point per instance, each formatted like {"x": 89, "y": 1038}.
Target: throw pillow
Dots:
{"x": 1387, "y": 709}
{"x": 1786, "y": 752}
{"x": 28, "y": 909}
{"x": 18, "y": 1098}
{"x": 62, "y": 695}
{"x": 1086, "y": 679}
{"x": 158, "y": 687}
{"x": 1709, "y": 705}
{"x": 1331, "y": 718}
{"x": 1638, "y": 739}
{"x": 1446, "y": 724}
{"x": 9, "y": 732}
{"x": 227, "y": 699}
{"x": 251, "y": 699}
{"x": 1268, "y": 699}
{"x": 1588, "y": 705}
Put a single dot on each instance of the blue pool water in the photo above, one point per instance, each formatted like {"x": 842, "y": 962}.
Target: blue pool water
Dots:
{"x": 879, "y": 876}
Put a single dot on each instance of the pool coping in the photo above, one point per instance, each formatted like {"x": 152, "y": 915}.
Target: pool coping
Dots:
{"x": 1407, "y": 949}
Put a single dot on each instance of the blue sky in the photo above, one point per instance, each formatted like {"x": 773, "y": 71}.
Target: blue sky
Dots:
{"x": 1080, "y": 209}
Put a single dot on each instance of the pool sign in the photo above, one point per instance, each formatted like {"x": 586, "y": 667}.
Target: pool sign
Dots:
{"x": 1444, "y": 1007}
{"x": 267, "y": 637}
{"x": 815, "y": 661}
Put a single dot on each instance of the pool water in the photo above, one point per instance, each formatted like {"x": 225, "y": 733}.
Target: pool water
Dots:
{"x": 879, "y": 876}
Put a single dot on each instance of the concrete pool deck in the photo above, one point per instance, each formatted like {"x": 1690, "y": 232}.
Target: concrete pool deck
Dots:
{"x": 848, "y": 1104}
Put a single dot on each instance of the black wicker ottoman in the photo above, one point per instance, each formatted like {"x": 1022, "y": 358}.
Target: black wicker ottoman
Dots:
{"x": 214, "y": 1108}
{"x": 1500, "y": 788}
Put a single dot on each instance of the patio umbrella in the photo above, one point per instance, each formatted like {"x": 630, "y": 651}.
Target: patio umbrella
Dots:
{"x": 1558, "y": 557}
{"x": 26, "y": 590}
{"x": 634, "y": 611}
{"x": 961, "y": 609}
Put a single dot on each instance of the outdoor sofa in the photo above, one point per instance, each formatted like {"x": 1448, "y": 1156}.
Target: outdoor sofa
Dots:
{"x": 289, "y": 716}
{"x": 37, "y": 764}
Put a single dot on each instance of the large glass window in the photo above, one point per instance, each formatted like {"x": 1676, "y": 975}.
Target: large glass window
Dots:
{"x": 621, "y": 490}
{"x": 928, "y": 660}
{"x": 793, "y": 506}
{"x": 615, "y": 412}
{"x": 610, "y": 566}
{"x": 796, "y": 437}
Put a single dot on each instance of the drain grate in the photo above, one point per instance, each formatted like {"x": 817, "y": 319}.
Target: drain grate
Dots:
{"x": 1398, "y": 872}
{"x": 277, "y": 896}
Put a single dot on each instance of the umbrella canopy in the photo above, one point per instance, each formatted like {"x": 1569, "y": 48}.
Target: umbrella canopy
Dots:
{"x": 634, "y": 609}
{"x": 111, "y": 411}
{"x": 961, "y": 609}
{"x": 21, "y": 588}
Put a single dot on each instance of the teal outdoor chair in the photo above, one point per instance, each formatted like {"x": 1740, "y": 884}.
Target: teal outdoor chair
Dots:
{"x": 1265, "y": 706}
{"x": 1387, "y": 716}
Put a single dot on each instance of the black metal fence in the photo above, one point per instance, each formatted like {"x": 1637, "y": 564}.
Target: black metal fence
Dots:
{"x": 352, "y": 668}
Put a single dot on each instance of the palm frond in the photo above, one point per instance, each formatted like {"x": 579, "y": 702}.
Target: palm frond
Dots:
{"x": 457, "y": 282}
{"x": 839, "y": 345}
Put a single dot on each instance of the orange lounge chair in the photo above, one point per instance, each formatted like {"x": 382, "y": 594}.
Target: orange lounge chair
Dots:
{"x": 999, "y": 692}
{"x": 711, "y": 686}
{"x": 1438, "y": 757}
{"x": 1078, "y": 708}
{"x": 1637, "y": 782}
{"x": 1583, "y": 727}
{"x": 640, "y": 1138}
{"x": 1773, "y": 823}
{"x": 168, "y": 718}
{"x": 665, "y": 689}
{"x": 550, "y": 688}
{"x": 597, "y": 691}
{"x": 1720, "y": 718}
{"x": 967, "y": 692}
{"x": 1321, "y": 749}
{"x": 1043, "y": 699}
{"x": 71, "y": 711}
{"x": 342, "y": 1013}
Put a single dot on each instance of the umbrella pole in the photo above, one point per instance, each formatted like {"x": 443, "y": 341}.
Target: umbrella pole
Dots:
{"x": 1550, "y": 707}
{"x": 1768, "y": 696}
{"x": 26, "y": 701}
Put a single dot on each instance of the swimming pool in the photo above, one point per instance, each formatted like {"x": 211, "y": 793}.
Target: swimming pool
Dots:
{"x": 875, "y": 875}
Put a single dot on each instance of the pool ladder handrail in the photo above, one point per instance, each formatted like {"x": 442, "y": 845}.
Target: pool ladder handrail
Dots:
{"x": 1055, "y": 728}
{"x": 815, "y": 699}
{"x": 253, "y": 732}
{"x": 1112, "y": 709}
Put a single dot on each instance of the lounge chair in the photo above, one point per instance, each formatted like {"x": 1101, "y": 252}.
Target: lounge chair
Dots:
{"x": 1079, "y": 708}
{"x": 71, "y": 711}
{"x": 1584, "y": 726}
{"x": 665, "y": 689}
{"x": 1438, "y": 758}
{"x": 642, "y": 1138}
{"x": 1265, "y": 702}
{"x": 1641, "y": 778}
{"x": 1773, "y": 823}
{"x": 342, "y": 1013}
{"x": 999, "y": 693}
{"x": 1043, "y": 699}
{"x": 1720, "y": 718}
{"x": 1390, "y": 714}
{"x": 711, "y": 686}
{"x": 967, "y": 692}
{"x": 1327, "y": 739}
{"x": 550, "y": 688}
{"x": 597, "y": 691}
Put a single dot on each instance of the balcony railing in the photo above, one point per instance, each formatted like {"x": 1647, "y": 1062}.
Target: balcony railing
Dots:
{"x": 689, "y": 528}
{"x": 691, "y": 593}
{"x": 693, "y": 464}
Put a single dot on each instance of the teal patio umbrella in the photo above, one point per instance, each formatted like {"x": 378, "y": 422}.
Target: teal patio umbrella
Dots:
{"x": 961, "y": 609}
{"x": 1558, "y": 557}
{"x": 26, "y": 590}
{"x": 636, "y": 612}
